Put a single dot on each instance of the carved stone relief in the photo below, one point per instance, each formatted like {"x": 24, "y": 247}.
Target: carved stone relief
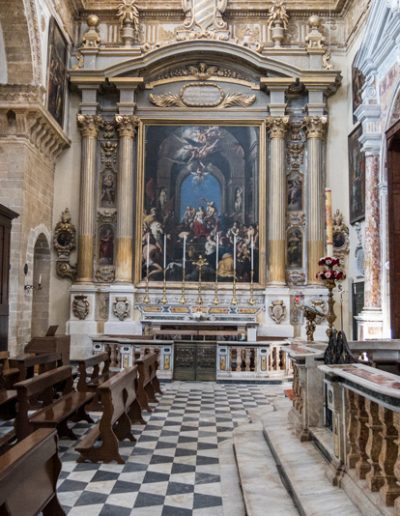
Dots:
{"x": 341, "y": 241}
{"x": 202, "y": 94}
{"x": 277, "y": 311}
{"x": 204, "y": 19}
{"x": 80, "y": 307}
{"x": 121, "y": 308}
{"x": 64, "y": 242}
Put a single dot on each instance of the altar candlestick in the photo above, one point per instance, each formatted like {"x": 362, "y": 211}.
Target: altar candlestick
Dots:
{"x": 216, "y": 255}
{"x": 148, "y": 252}
{"x": 184, "y": 253}
{"x": 234, "y": 254}
{"x": 252, "y": 252}
{"x": 165, "y": 251}
{"x": 329, "y": 221}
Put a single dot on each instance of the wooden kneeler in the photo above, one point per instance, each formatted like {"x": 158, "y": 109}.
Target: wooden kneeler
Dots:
{"x": 118, "y": 395}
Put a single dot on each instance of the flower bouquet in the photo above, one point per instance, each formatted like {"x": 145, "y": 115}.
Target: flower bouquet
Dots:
{"x": 331, "y": 273}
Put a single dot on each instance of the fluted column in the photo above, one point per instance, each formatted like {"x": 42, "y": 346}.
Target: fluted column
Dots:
{"x": 277, "y": 201}
{"x": 124, "y": 257}
{"x": 316, "y": 131}
{"x": 89, "y": 127}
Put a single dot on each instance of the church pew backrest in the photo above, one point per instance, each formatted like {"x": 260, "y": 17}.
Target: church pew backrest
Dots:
{"x": 28, "y": 476}
{"x": 100, "y": 365}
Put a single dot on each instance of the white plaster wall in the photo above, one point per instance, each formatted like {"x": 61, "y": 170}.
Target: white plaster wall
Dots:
{"x": 66, "y": 195}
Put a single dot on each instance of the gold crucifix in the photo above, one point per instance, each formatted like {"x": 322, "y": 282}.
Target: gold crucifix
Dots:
{"x": 200, "y": 264}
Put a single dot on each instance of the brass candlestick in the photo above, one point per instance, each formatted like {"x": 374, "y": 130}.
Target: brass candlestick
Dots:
{"x": 164, "y": 299}
{"x": 252, "y": 301}
{"x": 182, "y": 299}
{"x": 146, "y": 299}
{"x": 200, "y": 264}
{"x": 234, "y": 300}
{"x": 330, "y": 316}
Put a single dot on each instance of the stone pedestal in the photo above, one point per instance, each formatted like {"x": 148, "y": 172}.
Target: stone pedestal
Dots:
{"x": 121, "y": 315}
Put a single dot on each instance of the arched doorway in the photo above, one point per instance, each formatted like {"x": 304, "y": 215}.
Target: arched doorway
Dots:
{"x": 41, "y": 284}
{"x": 393, "y": 147}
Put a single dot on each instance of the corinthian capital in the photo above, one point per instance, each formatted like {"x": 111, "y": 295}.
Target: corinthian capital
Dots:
{"x": 126, "y": 125}
{"x": 89, "y": 125}
{"x": 278, "y": 126}
{"x": 316, "y": 126}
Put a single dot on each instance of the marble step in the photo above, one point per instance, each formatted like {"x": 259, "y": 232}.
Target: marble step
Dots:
{"x": 303, "y": 469}
{"x": 262, "y": 489}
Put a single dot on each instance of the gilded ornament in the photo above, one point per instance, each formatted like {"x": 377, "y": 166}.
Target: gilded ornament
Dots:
{"x": 126, "y": 125}
{"x": 316, "y": 126}
{"x": 277, "y": 311}
{"x": 341, "y": 240}
{"x": 89, "y": 125}
{"x": 105, "y": 273}
{"x": 226, "y": 100}
{"x": 315, "y": 39}
{"x": 64, "y": 242}
{"x": 278, "y": 22}
{"x": 128, "y": 15}
{"x": 278, "y": 126}
{"x": 91, "y": 38}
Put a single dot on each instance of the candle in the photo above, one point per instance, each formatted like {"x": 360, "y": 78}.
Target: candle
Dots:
{"x": 329, "y": 221}
{"x": 216, "y": 254}
{"x": 40, "y": 280}
{"x": 252, "y": 252}
{"x": 165, "y": 251}
{"x": 234, "y": 253}
{"x": 148, "y": 251}
{"x": 184, "y": 252}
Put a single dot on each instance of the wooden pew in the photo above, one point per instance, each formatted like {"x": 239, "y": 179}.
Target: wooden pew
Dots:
{"x": 90, "y": 381}
{"x": 27, "y": 362}
{"x": 118, "y": 397}
{"x": 148, "y": 383}
{"x": 8, "y": 375}
{"x": 28, "y": 476}
{"x": 56, "y": 412}
{"x": 7, "y": 410}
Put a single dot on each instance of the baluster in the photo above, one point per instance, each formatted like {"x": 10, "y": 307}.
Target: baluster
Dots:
{"x": 362, "y": 465}
{"x": 374, "y": 477}
{"x": 242, "y": 359}
{"x": 388, "y": 457}
{"x": 396, "y": 423}
{"x": 233, "y": 359}
{"x": 353, "y": 454}
{"x": 247, "y": 358}
{"x": 253, "y": 359}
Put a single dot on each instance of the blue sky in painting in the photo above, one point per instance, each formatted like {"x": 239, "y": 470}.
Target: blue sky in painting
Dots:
{"x": 197, "y": 194}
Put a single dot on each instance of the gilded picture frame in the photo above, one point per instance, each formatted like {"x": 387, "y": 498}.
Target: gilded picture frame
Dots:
{"x": 56, "y": 72}
{"x": 356, "y": 176}
{"x": 202, "y": 184}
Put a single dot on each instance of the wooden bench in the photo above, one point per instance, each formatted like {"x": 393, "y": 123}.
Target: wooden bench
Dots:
{"x": 148, "y": 384}
{"x": 27, "y": 362}
{"x": 90, "y": 381}
{"x": 118, "y": 397}
{"x": 8, "y": 375}
{"x": 8, "y": 399}
{"x": 28, "y": 476}
{"x": 56, "y": 411}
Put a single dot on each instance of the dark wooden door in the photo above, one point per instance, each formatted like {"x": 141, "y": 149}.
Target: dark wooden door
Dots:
{"x": 393, "y": 146}
{"x": 6, "y": 217}
{"x": 195, "y": 360}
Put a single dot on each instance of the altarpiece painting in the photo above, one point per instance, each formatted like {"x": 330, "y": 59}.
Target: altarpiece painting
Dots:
{"x": 357, "y": 177}
{"x": 57, "y": 72}
{"x": 200, "y": 197}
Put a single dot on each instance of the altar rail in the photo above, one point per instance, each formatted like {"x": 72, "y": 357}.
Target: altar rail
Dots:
{"x": 235, "y": 360}
{"x": 363, "y": 412}
{"x": 253, "y": 360}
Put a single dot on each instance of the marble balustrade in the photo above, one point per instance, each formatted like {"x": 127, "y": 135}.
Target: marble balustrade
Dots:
{"x": 366, "y": 406}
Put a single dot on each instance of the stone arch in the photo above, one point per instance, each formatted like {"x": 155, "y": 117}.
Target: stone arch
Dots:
{"x": 38, "y": 261}
{"x": 21, "y": 41}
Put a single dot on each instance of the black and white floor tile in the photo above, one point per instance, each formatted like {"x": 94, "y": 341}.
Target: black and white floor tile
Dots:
{"x": 173, "y": 469}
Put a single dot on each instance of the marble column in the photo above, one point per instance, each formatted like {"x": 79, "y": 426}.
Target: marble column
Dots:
{"x": 277, "y": 201}
{"x": 372, "y": 246}
{"x": 124, "y": 256}
{"x": 89, "y": 127}
{"x": 316, "y": 131}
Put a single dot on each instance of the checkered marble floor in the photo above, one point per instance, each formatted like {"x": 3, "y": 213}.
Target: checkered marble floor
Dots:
{"x": 173, "y": 469}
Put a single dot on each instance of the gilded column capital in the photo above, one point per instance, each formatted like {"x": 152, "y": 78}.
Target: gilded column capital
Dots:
{"x": 89, "y": 125}
{"x": 316, "y": 126}
{"x": 127, "y": 125}
{"x": 278, "y": 126}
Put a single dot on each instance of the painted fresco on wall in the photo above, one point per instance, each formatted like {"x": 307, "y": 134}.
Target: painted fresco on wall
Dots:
{"x": 106, "y": 245}
{"x": 200, "y": 192}
{"x": 57, "y": 72}
{"x": 357, "y": 177}
{"x": 358, "y": 81}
